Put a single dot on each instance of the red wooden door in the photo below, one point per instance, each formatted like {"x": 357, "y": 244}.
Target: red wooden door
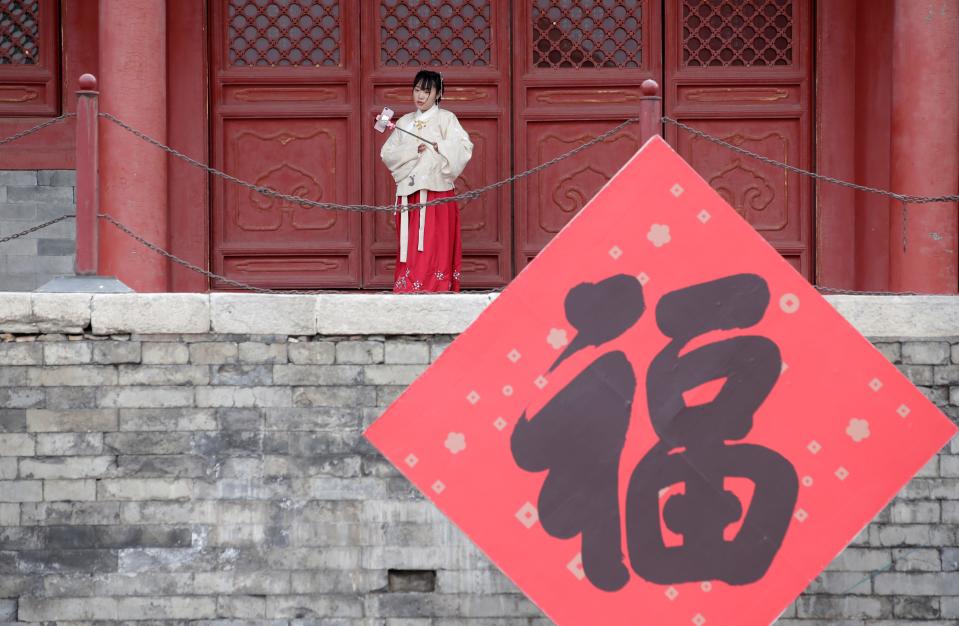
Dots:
{"x": 577, "y": 71}
{"x": 741, "y": 70}
{"x": 468, "y": 41}
{"x": 285, "y": 84}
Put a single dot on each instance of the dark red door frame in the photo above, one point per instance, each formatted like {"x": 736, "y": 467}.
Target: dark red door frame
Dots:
{"x": 188, "y": 130}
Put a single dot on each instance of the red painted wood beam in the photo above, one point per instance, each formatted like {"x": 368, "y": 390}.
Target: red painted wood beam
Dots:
{"x": 189, "y": 131}
{"x": 925, "y": 145}
{"x": 836, "y": 138}
{"x": 872, "y": 120}
{"x": 133, "y": 174}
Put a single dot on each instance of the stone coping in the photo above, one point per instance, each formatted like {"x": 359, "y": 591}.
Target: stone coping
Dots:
{"x": 876, "y": 317}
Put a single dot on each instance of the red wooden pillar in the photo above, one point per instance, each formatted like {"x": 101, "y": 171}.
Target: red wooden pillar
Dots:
{"x": 133, "y": 174}
{"x": 925, "y": 145}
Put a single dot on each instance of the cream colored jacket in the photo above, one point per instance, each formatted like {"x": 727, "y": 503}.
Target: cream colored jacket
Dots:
{"x": 414, "y": 171}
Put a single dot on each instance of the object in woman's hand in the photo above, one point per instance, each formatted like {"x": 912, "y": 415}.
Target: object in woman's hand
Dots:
{"x": 383, "y": 120}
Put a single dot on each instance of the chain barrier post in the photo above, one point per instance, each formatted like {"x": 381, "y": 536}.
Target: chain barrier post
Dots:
{"x": 650, "y": 110}
{"x": 88, "y": 184}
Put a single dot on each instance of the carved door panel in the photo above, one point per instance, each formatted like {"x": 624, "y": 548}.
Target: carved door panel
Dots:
{"x": 578, "y": 67}
{"x": 284, "y": 77}
{"x": 741, "y": 70}
{"x": 29, "y": 58}
{"x": 468, "y": 42}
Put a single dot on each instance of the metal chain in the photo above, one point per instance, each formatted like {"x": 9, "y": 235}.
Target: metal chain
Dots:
{"x": 475, "y": 193}
{"x": 852, "y": 292}
{"x": 37, "y": 128}
{"x": 187, "y": 264}
{"x": 240, "y": 285}
{"x": 465, "y": 196}
{"x": 797, "y": 170}
{"x": 469, "y": 195}
{"x": 34, "y": 229}
{"x": 212, "y": 275}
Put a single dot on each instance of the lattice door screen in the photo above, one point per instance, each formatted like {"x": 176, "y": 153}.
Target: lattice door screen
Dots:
{"x": 587, "y": 33}
{"x": 435, "y": 32}
{"x": 737, "y": 33}
{"x": 284, "y": 33}
{"x": 19, "y": 32}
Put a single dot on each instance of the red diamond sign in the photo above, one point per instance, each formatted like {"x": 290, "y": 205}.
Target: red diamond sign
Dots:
{"x": 659, "y": 421}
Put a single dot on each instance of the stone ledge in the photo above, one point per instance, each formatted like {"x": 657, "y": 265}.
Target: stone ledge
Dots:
{"x": 900, "y": 317}
{"x": 150, "y": 313}
{"x": 44, "y": 313}
{"x": 388, "y": 314}
{"x": 876, "y": 317}
{"x": 263, "y": 314}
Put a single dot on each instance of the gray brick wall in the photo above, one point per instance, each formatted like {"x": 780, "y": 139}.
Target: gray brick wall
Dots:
{"x": 219, "y": 479}
{"x": 27, "y": 198}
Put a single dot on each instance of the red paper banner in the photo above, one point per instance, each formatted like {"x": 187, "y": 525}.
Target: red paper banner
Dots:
{"x": 659, "y": 421}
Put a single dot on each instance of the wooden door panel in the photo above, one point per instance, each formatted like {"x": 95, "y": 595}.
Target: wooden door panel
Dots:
{"x": 286, "y": 270}
{"x": 303, "y": 157}
{"x": 468, "y": 42}
{"x": 741, "y": 70}
{"x": 577, "y": 71}
{"x": 768, "y": 197}
{"x": 272, "y": 242}
{"x": 556, "y": 194}
{"x": 480, "y": 222}
{"x": 284, "y": 117}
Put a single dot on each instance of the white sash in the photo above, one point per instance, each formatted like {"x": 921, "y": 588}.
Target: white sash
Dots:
{"x": 405, "y": 225}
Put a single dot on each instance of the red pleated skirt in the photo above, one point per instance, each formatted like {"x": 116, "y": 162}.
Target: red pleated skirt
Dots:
{"x": 437, "y": 266}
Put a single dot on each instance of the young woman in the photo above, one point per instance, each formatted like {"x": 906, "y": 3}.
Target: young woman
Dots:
{"x": 430, "y": 250}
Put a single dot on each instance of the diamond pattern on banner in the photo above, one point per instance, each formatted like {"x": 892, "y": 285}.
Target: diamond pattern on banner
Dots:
{"x": 527, "y": 515}
{"x": 576, "y": 567}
